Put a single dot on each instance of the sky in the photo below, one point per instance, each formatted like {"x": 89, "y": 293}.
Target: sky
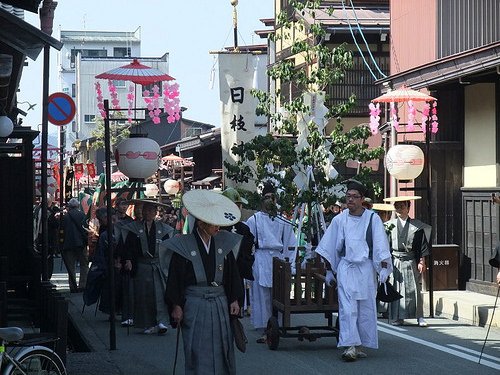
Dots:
{"x": 187, "y": 29}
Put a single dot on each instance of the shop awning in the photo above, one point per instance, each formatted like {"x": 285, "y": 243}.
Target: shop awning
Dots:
{"x": 455, "y": 67}
{"x": 23, "y": 37}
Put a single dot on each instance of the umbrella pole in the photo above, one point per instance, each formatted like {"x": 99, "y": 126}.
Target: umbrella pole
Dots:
{"x": 110, "y": 247}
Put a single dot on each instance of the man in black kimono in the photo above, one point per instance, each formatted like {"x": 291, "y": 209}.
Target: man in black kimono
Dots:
{"x": 140, "y": 255}
{"x": 409, "y": 241}
{"x": 203, "y": 283}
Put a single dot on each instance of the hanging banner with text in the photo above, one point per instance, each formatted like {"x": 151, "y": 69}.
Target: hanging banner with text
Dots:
{"x": 238, "y": 74}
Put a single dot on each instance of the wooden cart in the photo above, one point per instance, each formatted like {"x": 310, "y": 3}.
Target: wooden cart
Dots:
{"x": 302, "y": 293}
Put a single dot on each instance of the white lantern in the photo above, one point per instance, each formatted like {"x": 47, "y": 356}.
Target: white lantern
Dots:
{"x": 51, "y": 185}
{"x": 151, "y": 190}
{"x": 138, "y": 157}
{"x": 171, "y": 187}
{"x": 404, "y": 162}
{"x": 6, "y": 126}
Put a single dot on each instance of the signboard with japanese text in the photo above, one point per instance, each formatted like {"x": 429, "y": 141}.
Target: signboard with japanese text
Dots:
{"x": 239, "y": 73}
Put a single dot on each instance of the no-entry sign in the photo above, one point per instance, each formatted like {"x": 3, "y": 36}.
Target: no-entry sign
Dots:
{"x": 61, "y": 108}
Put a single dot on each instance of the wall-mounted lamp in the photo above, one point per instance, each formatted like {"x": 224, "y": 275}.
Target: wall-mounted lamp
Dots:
{"x": 383, "y": 37}
{"x": 6, "y": 125}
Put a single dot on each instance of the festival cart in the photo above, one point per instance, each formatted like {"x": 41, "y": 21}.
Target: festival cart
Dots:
{"x": 302, "y": 293}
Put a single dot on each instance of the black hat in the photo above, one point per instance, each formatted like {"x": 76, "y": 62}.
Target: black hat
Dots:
{"x": 268, "y": 188}
{"x": 495, "y": 261}
{"x": 387, "y": 293}
{"x": 353, "y": 184}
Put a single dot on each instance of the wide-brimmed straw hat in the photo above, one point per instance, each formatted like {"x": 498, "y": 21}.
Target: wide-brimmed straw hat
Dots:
{"x": 234, "y": 195}
{"x": 382, "y": 207}
{"x": 211, "y": 207}
{"x": 402, "y": 198}
{"x": 147, "y": 201}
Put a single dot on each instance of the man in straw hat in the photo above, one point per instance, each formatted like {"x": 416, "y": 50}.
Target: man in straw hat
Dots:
{"x": 140, "y": 255}
{"x": 384, "y": 210}
{"x": 356, "y": 248}
{"x": 409, "y": 244}
{"x": 273, "y": 237}
{"x": 203, "y": 283}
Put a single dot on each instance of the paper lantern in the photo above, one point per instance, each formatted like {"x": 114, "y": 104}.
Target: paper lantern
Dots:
{"x": 151, "y": 190}
{"x": 404, "y": 162}
{"x": 171, "y": 187}
{"x": 138, "y": 157}
{"x": 6, "y": 126}
{"x": 51, "y": 185}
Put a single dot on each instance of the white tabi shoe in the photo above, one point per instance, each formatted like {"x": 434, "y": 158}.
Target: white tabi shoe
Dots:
{"x": 422, "y": 322}
{"x": 151, "y": 330}
{"x": 161, "y": 328}
{"x": 128, "y": 323}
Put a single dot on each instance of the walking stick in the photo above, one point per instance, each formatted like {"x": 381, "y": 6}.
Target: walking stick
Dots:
{"x": 177, "y": 346}
{"x": 126, "y": 290}
{"x": 489, "y": 326}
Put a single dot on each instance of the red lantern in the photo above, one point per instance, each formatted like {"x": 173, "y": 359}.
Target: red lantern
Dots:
{"x": 138, "y": 157}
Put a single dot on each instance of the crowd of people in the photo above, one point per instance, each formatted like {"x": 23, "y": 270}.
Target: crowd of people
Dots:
{"x": 223, "y": 265}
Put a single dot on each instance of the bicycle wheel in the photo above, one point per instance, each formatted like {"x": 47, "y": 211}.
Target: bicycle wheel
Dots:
{"x": 39, "y": 362}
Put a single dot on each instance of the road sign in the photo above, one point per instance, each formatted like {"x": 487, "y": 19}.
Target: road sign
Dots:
{"x": 61, "y": 109}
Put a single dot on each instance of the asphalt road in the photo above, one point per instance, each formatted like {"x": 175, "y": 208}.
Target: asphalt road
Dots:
{"x": 444, "y": 347}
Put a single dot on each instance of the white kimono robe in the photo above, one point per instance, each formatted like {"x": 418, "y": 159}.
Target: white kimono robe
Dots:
{"x": 274, "y": 237}
{"x": 344, "y": 245}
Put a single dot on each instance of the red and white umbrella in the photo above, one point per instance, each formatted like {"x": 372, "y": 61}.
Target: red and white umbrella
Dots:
{"x": 136, "y": 73}
{"x": 404, "y": 94}
{"x": 118, "y": 176}
{"x": 175, "y": 161}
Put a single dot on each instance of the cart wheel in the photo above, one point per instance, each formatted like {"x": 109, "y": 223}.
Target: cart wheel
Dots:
{"x": 273, "y": 333}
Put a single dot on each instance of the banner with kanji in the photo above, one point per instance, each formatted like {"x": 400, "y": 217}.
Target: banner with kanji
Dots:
{"x": 239, "y": 73}
{"x": 78, "y": 168}
{"x": 91, "y": 170}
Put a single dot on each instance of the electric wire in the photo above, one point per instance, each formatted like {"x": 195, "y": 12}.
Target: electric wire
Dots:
{"x": 356, "y": 42}
{"x": 366, "y": 43}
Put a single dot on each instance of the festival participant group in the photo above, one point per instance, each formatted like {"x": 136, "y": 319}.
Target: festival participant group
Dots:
{"x": 220, "y": 268}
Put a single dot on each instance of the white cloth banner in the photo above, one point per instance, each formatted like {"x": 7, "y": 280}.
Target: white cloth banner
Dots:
{"x": 238, "y": 74}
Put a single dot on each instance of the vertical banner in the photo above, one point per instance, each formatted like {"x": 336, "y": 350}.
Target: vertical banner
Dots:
{"x": 68, "y": 183}
{"x": 57, "y": 175}
{"x": 78, "y": 168}
{"x": 238, "y": 74}
{"x": 91, "y": 170}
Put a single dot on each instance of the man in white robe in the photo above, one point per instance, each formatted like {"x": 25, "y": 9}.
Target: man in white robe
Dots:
{"x": 356, "y": 255}
{"x": 274, "y": 236}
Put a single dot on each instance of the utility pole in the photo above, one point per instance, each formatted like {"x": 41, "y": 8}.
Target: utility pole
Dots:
{"x": 234, "y": 3}
{"x": 46, "y": 23}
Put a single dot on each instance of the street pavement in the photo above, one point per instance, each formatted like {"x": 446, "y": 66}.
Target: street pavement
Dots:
{"x": 447, "y": 346}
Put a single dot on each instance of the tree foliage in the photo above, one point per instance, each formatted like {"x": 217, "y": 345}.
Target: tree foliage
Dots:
{"x": 277, "y": 156}
{"x": 118, "y": 131}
